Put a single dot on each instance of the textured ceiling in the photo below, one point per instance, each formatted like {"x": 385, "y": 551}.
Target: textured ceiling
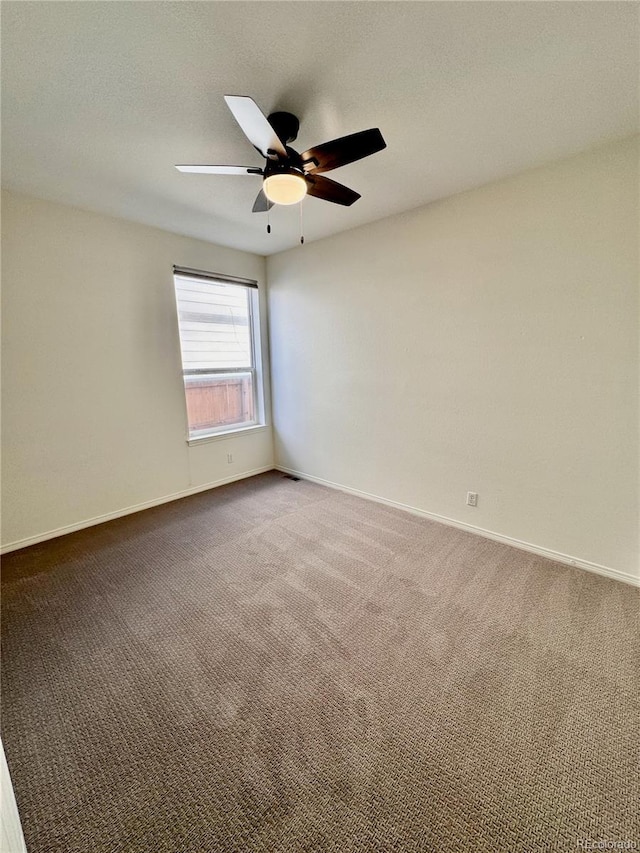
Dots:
{"x": 100, "y": 99}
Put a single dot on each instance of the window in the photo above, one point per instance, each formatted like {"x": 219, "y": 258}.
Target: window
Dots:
{"x": 218, "y": 318}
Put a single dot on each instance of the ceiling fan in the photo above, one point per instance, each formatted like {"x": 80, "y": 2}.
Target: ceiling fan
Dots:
{"x": 287, "y": 175}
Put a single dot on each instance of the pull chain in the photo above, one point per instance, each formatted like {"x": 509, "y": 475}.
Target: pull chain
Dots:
{"x": 268, "y": 223}
{"x": 301, "y": 234}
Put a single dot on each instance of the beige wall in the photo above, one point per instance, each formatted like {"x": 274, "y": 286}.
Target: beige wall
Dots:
{"x": 11, "y": 837}
{"x": 93, "y": 406}
{"x": 488, "y": 342}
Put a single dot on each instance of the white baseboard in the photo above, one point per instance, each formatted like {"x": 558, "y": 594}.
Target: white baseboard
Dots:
{"x": 109, "y": 516}
{"x": 470, "y": 528}
{"x": 461, "y": 525}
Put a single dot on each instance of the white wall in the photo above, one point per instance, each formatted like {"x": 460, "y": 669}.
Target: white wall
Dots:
{"x": 93, "y": 410}
{"x": 11, "y": 837}
{"x": 488, "y": 342}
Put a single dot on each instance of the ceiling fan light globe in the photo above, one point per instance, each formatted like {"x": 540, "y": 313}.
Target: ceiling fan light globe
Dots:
{"x": 285, "y": 188}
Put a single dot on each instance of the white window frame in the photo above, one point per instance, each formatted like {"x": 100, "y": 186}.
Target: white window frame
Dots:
{"x": 255, "y": 369}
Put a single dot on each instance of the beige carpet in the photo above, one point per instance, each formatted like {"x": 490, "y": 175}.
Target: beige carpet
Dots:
{"x": 273, "y": 666}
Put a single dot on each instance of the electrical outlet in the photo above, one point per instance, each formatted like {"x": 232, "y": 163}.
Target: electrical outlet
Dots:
{"x": 472, "y": 499}
{"x": 229, "y": 458}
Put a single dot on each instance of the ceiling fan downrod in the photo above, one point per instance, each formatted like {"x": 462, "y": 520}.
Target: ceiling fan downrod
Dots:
{"x": 286, "y": 126}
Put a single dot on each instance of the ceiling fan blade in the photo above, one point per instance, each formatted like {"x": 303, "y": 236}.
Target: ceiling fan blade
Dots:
{"x": 262, "y": 203}
{"x": 256, "y": 126}
{"x": 341, "y": 151}
{"x": 221, "y": 170}
{"x": 330, "y": 190}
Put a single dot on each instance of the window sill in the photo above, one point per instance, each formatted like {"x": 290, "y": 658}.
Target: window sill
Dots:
{"x": 228, "y": 433}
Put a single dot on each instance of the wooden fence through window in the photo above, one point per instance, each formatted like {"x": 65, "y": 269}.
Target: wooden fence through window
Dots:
{"x": 215, "y": 402}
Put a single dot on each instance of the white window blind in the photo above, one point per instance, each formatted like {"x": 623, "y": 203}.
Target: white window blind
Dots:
{"x": 214, "y": 325}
